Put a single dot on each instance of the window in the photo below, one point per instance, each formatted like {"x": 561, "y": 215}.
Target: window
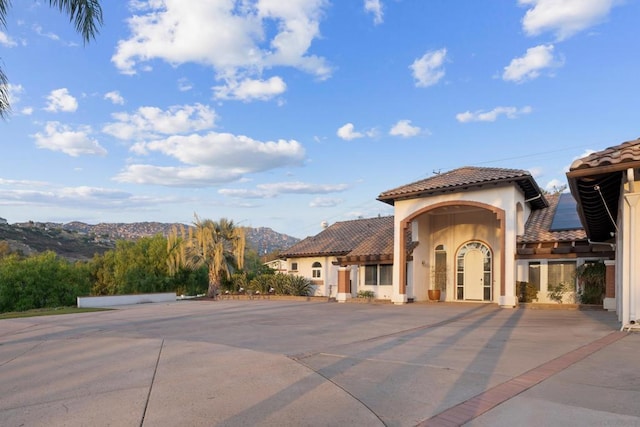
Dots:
{"x": 378, "y": 275}
{"x": 316, "y": 270}
{"x": 562, "y": 272}
{"x": 534, "y": 274}
{"x": 371, "y": 275}
{"x": 386, "y": 274}
{"x": 294, "y": 266}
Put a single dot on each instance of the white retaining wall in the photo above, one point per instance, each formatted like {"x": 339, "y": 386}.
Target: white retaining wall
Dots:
{"x": 112, "y": 300}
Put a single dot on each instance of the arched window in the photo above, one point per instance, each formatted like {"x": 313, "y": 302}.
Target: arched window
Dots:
{"x": 316, "y": 269}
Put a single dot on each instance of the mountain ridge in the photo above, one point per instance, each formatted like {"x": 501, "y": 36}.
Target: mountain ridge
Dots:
{"x": 78, "y": 240}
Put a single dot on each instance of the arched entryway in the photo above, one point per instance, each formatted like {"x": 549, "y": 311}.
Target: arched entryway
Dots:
{"x": 474, "y": 272}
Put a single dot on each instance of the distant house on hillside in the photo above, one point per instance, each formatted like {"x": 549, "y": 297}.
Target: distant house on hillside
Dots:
{"x": 277, "y": 265}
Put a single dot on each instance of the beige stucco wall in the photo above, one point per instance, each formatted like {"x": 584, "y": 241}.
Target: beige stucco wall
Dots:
{"x": 452, "y": 231}
{"x": 455, "y": 230}
{"x": 327, "y": 285}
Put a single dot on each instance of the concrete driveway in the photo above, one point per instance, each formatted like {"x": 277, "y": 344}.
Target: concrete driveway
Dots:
{"x": 298, "y": 363}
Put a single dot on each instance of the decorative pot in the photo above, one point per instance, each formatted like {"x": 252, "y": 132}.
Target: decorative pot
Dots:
{"x": 434, "y": 294}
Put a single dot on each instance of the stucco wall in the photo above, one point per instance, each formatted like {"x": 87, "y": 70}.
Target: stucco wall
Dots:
{"x": 454, "y": 229}
{"x": 328, "y": 281}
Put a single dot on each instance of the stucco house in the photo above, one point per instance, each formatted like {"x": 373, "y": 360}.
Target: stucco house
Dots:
{"x": 365, "y": 244}
{"x": 478, "y": 231}
{"x": 606, "y": 186}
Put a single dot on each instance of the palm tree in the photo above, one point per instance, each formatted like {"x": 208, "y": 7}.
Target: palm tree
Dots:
{"x": 218, "y": 245}
{"x": 86, "y": 16}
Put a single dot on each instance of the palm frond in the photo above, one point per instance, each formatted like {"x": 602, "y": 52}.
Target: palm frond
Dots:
{"x": 5, "y": 108}
{"x": 4, "y": 8}
{"x": 85, "y": 14}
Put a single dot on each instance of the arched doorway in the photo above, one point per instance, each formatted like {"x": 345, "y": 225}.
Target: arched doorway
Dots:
{"x": 474, "y": 272}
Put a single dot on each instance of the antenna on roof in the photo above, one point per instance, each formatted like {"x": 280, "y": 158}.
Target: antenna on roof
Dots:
{"x": 324, "y": 224}
{"x": 437, "y": 172}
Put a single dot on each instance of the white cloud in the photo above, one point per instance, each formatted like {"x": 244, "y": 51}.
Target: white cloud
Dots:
{"x": 236, "y": 39}
{"x": 60, "y": 100}
{"x": 27, "y": 111}
{"x": 270, "y": 190}
{"x": 302, "y": 188}
{"x": 176, "y": 176}
{"x": 428, "y": 70}
{"x": 114, "y": 97}
{"x": 14, "y": 92}
{"x": 403, "y": 128}
{"x": 149, "y": 122}
{"x": 554, "y": 185}
{"x": 528, "y": 67}
{"x": 50, "y": 195}
{"x": 250, "y": 89}
{"x": 59, "y": 137}
{"x": 184, "y": 84}
{"x": 324, "y": 202}
{"x": 39, "y": 31}
{"x": 7, "y": 41}
{"x": 348, "y": 133}
{"x": 492, "y": 116}
{"x": 563, "y": 17}
{"x": 211, "y": 159}
{"x": 375, "y": 8}
{"x": 242, "y": 193}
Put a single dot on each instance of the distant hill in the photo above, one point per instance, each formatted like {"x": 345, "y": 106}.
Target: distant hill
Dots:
{"x": 79, "y": 241}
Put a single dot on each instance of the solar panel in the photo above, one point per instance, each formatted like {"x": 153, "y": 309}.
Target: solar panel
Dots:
{"x": 566, "y": 215}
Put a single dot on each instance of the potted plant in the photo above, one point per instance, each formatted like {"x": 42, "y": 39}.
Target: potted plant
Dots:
{"x": 438, "y": 281}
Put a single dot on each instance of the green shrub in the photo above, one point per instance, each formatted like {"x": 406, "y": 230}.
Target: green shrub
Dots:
{"x": 592, "y": 278}
{"x": 366, "y": 294}
{"x": 41, "y": 281}
{"x": 527, "y": 292}
{"x": 556, "y": 292}
{"x": 299, "y": 286}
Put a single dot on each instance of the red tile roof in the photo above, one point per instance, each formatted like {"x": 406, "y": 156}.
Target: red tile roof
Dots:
{"x": 618, "y": 155}
{"x": 367, "y": 235}
{"x": 595, "y": 182}
{"x": 463, "y": 179}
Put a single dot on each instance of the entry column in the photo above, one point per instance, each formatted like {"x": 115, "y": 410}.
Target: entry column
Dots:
{"x": 344, "y": 285}
{"x": 610, "y": 286}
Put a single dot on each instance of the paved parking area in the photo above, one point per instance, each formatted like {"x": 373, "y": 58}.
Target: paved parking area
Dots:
{"x": 299, "y": 363}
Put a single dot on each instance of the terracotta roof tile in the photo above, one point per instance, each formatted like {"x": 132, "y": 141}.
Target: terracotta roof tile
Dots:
{"x": 343, "y": 237}
{"x": 461, "y": 179}
{"x": 626, "y": 152}
{"x": 537, "y": 228}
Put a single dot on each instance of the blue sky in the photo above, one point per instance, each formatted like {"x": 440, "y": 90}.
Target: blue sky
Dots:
{"x": 286, "y": 114}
